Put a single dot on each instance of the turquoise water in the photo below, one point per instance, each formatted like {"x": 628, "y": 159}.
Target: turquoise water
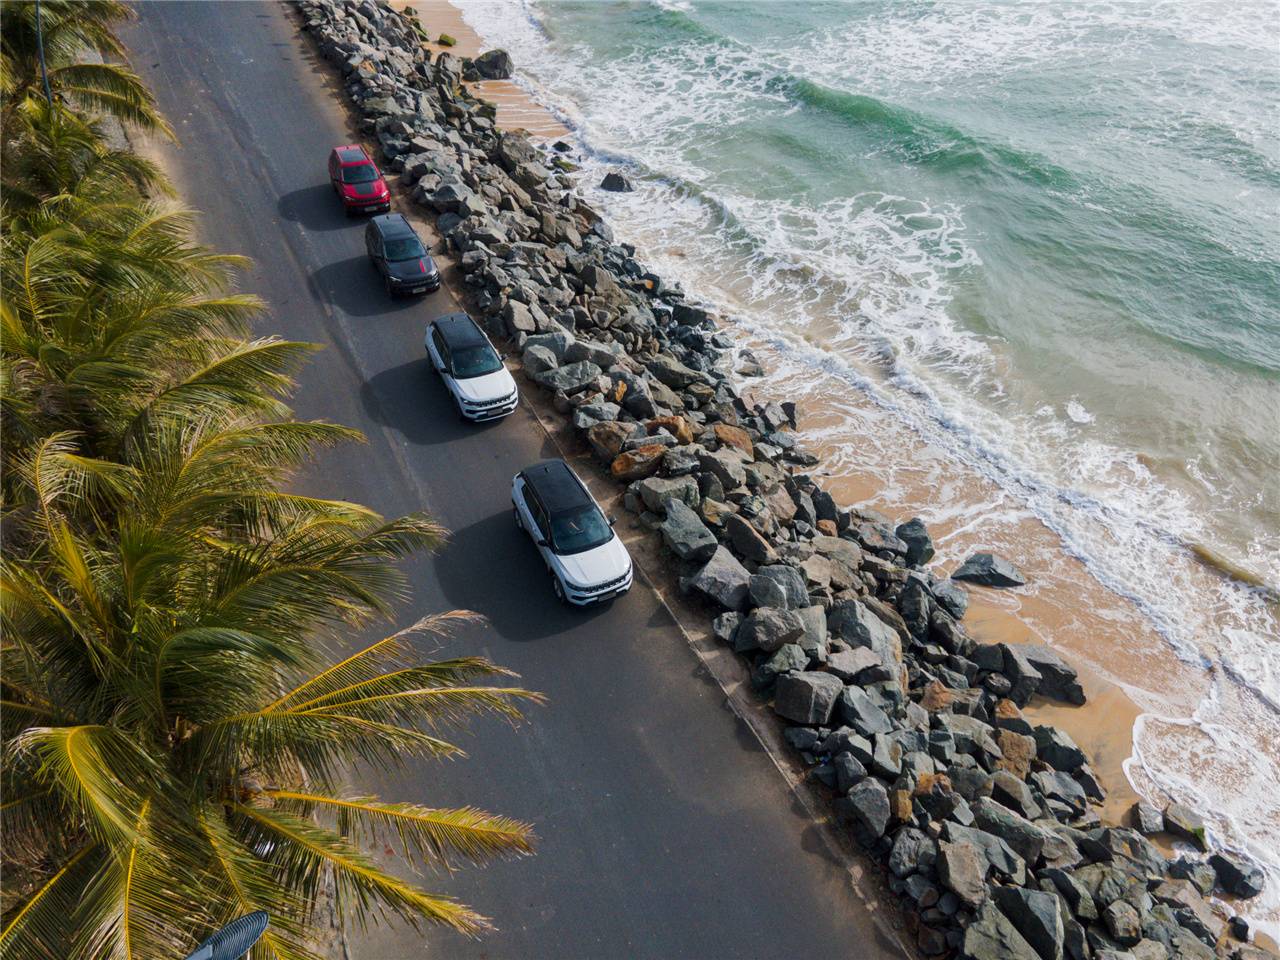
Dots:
{"x": 1040, "y": 238}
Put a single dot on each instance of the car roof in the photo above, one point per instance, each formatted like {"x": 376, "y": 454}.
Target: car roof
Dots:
{"x": 459, "y": 330}
{"x": 352, "y": 153}
{"x": 393, "y": 225}
{"x": 557, "y": 486}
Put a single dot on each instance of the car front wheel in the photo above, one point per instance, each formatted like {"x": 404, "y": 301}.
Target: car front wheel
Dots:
{"x": 558, "y": 588}
{"x": 515, "y": 512}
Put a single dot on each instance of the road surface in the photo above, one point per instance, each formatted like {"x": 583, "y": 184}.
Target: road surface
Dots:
{"x": 664, "y": 830}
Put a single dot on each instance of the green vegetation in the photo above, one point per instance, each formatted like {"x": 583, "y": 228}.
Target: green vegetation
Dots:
{"x": 177, "y": 742}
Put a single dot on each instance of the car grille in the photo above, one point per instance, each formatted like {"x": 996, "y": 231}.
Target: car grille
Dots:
{"x": 608, "y": 584}
{"x": 486, "y": 404}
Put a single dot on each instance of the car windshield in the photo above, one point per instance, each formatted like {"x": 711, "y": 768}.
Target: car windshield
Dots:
{"x": 405, "y": 248}
{"x": 578, "y": 529}
{"x": 359, "y": 173}
{"x": 475, "y": 361}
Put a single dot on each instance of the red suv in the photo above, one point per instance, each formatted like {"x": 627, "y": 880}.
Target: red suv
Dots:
{"x": 358, "y": 181}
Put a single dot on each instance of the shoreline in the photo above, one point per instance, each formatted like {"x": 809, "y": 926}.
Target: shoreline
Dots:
{"x": 1107, "y": 738}
{"x": 995, "y": 621}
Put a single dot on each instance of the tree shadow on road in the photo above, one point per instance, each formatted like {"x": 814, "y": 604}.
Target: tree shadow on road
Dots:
{"x": 356, "y": 288}
{"x": 315, "y": 208}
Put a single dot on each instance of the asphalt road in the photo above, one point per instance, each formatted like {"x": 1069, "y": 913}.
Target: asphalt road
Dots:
{"x": 664, "y": 829}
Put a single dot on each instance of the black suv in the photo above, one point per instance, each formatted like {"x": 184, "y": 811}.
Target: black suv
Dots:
{"x": 400, "y": 256}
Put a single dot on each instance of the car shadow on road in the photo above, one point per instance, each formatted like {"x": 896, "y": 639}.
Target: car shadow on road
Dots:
{"x": 355, "y": 287}
{"x": 315, "y": 208}
{"x": 411, "y": 399}
{"x": 492, "y": 568}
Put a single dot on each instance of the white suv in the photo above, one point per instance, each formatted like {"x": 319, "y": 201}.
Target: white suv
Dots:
{"x": 481, "y": 387}
{"x": 587, "y": 560}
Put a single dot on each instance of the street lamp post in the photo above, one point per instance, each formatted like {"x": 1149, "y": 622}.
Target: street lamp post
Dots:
{"x": 234, "y": 940}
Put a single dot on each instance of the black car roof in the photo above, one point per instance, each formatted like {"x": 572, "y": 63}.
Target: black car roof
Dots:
{"x": 556, "y": 485}
{"x": 459, "y": 330}
{"x": 393, "y": 225}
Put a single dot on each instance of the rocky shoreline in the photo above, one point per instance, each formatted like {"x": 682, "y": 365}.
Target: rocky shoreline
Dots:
{"x": 981, "y": 821}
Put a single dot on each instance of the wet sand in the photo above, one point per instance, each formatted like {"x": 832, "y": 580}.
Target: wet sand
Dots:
{"x": 516, "y": 109}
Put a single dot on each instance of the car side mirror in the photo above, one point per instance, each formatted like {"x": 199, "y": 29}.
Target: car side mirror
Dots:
{"x": 613, "y": 519}
{"x": 541, "y": 541}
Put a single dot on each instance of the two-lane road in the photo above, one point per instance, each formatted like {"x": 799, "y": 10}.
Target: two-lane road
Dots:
{"x": 664, "y": 830}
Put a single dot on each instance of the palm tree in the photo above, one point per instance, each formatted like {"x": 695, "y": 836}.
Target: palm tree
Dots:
{"x": 174, "y": 755}
{"x": 69, "y": 28}
{"x": 56, "y": 154}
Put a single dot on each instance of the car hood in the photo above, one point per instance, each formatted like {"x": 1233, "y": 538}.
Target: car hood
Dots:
{"x": 599, "y": 565}
{"x": 373, "y": 188}
{"x": 415, "y": 269}
{"x": 491, "y": 386}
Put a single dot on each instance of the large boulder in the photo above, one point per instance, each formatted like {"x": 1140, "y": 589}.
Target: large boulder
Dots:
{"x": 571, "y": 378}
{"x": 616, "y": 182}
{"x": 992, "y": 936}
{"x": 807, "y": 698}
{"x": 962, "y": 867}
{"x": 1185, "y": 823}
{"x": 1237, "y": 875}
{"x": 1036, "y": 916}
{"x": 638, "y": 463}
{"x": 606, "y": 439}
{"x": 1058, "y": 680}
{"x": 790, "y": 584}
{"x": 685, "y": 534}
{"x": 767, "y": 629}
{"x": 668, "y": 370}
{"x": 852, "y": 622}
{"x": 919, "y": 544}
{"x": 724, "y": 580}
{"x": 494, "y": 65}
{"x": 748, "y": 541}
{"x": 990, "y": 571}
{"x": 867, "y": 805}
{"x": 658, "y": 492}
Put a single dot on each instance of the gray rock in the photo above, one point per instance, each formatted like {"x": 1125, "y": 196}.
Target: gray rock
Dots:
{"x": 572, "y": 378}
{"x": 686, "y": 535}
{"x": 598, "y": 353}
{"x": 849, "y": 770}
{"x": 616, "y": 183}
{"x": 857, "y": 626}
{"x": 1058, "y": 680}
{"x": 952, "y": 596}
{"x": 658, "y": 492}
{"x": 517, "y": 319}
{"x": 868, "y": 806}
{"x": 992, "y": 936}
{"x": 764, "y": 592}
{"x": 1123, "y": 923}
{"x": 808, "y": 698}
{"x": 791, "y": 583}
{"x": 725, "y": 626}
{"x": 725, "y": 466}
{"x": 1237, "y": 875}
{"x": 557, "y": 341}
{"x": 864, "y": 714}
{"x": 962, "y": 868}
{"x": 912, "y": 851}
{"x": 724, "y": 580}
{"x": 1011, "y": 792}
{"x": 748, "y": 541}
{"x": 494, "y": 65}
{"x": 1146, "y": 818}
{"x": 990, "y": 571}
{"x": 1057, "y": 749}
{"x": 919, "y": 544}
{"x": 1185, "y": 823}
{"x": 671, "y": 372}
{"x": 1000, "y": 855}
{"x": 538, "y": 359}
{"x": 1075, "y": 893}
{"x": 767, "y": 629}
{"x": 814, "y": 640}
{"x": 849, "y": 665}
{"x": 1036, "y": 916}
{"x": 788, "y": 658}
{"x": 1023, "y": 837}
